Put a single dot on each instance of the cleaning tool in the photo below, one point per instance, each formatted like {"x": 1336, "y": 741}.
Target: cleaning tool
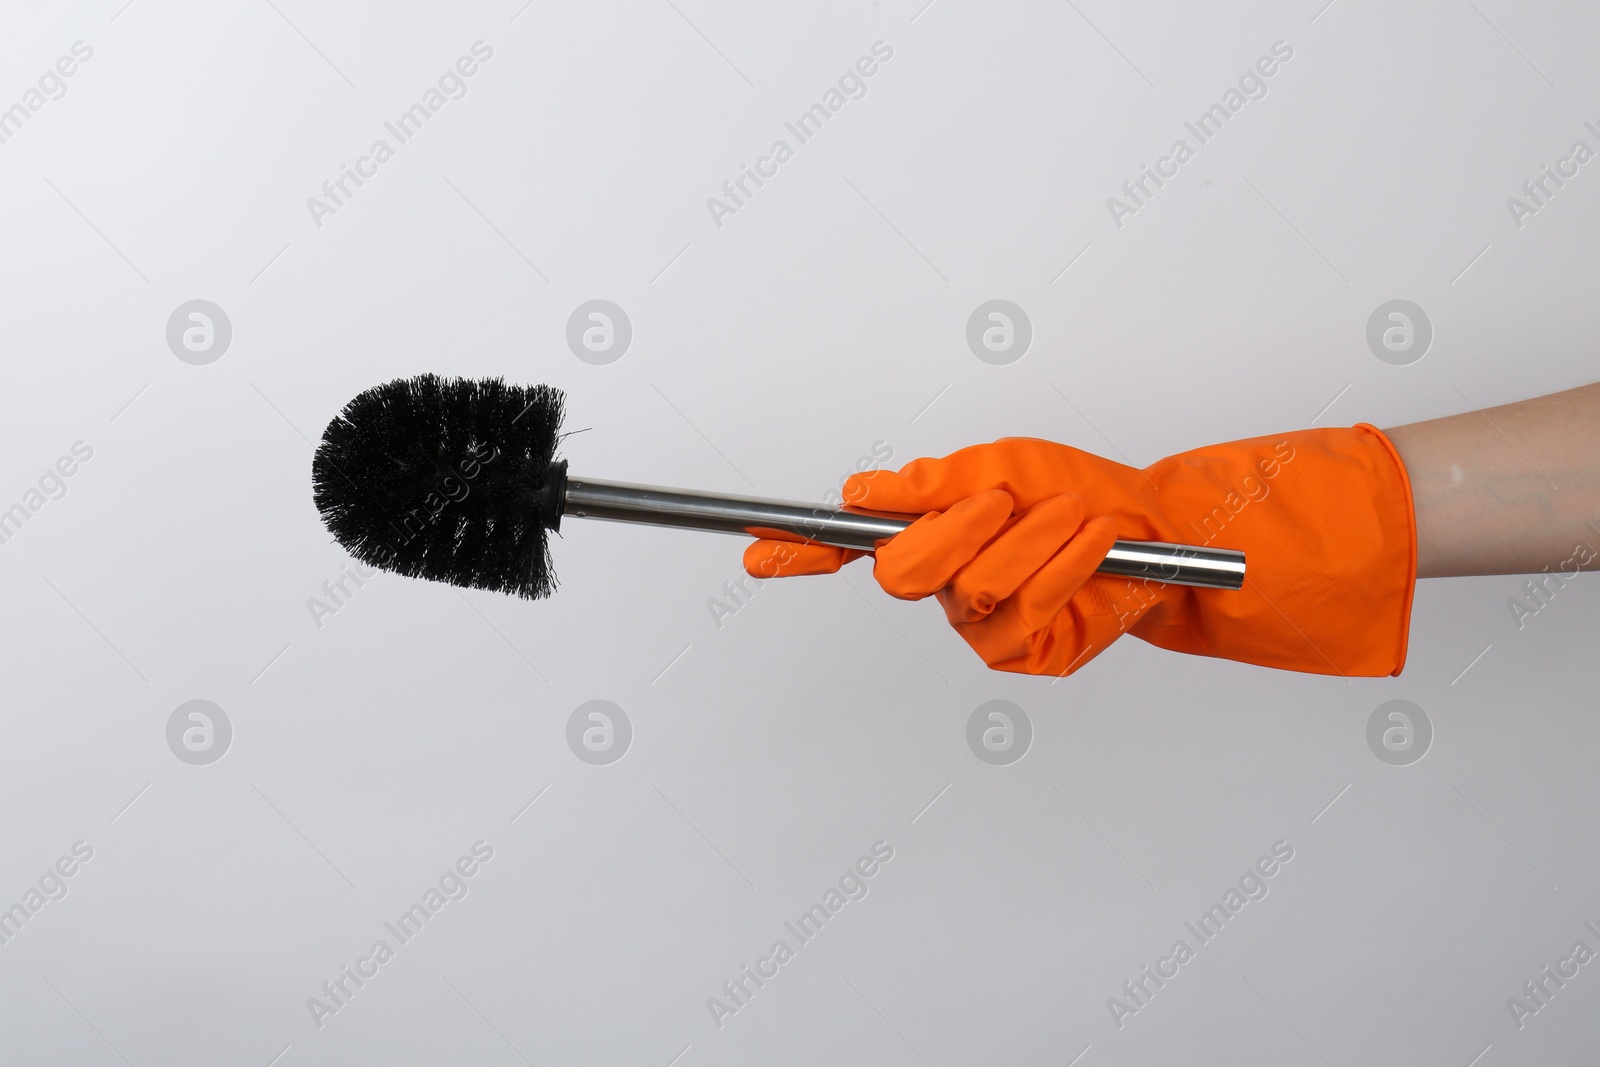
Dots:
{"x": 1010, "y": 531}
{"x": 456, "y": 480}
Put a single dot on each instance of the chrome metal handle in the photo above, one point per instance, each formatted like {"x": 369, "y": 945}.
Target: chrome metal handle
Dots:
{"x": 688, "y": 509}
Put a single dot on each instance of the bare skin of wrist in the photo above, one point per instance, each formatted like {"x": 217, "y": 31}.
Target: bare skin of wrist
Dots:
{"x": 1507, "y": 490}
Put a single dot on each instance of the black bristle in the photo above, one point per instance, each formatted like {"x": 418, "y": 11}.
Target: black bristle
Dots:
{"x": 439, "y": 478}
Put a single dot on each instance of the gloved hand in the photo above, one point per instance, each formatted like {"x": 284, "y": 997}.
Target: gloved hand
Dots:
{"x": 1011, "y": 533}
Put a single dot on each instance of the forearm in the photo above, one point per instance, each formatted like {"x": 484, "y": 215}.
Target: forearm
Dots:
{"x": 1508, "y": 490}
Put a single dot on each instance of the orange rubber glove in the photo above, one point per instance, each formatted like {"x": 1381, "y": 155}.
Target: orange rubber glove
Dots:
{"x": 1011, "y": 533}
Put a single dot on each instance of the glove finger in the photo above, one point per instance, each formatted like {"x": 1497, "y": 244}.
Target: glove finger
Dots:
{"x": 999, "y": 640}
{"x": 1042, "y": 628}
{"x": 1083, "y": 629}
{"x": 922, "y": 559}
{"x": 1045, "y": 594}
{"x": 787, "y": 559}
{"x": 1078, "y": 633}
{"x": 1012, "y": 650}
{"x": 1007, "y": 562}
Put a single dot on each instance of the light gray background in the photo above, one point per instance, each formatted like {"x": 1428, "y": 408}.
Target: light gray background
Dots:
{"x": 768, "y": 355}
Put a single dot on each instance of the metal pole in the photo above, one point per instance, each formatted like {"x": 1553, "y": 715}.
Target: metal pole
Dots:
{"x": 687, "y": 509}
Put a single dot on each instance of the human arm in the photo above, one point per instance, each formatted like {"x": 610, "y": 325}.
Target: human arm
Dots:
{"x": 1507, "y": 490}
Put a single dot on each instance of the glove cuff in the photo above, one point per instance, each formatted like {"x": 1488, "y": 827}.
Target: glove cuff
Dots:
{"x": 1326, "y": 520}
{"x": 1401, "y": 510}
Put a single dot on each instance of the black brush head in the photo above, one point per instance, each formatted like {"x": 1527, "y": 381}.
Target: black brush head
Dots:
{"x": 450, "y": 479}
